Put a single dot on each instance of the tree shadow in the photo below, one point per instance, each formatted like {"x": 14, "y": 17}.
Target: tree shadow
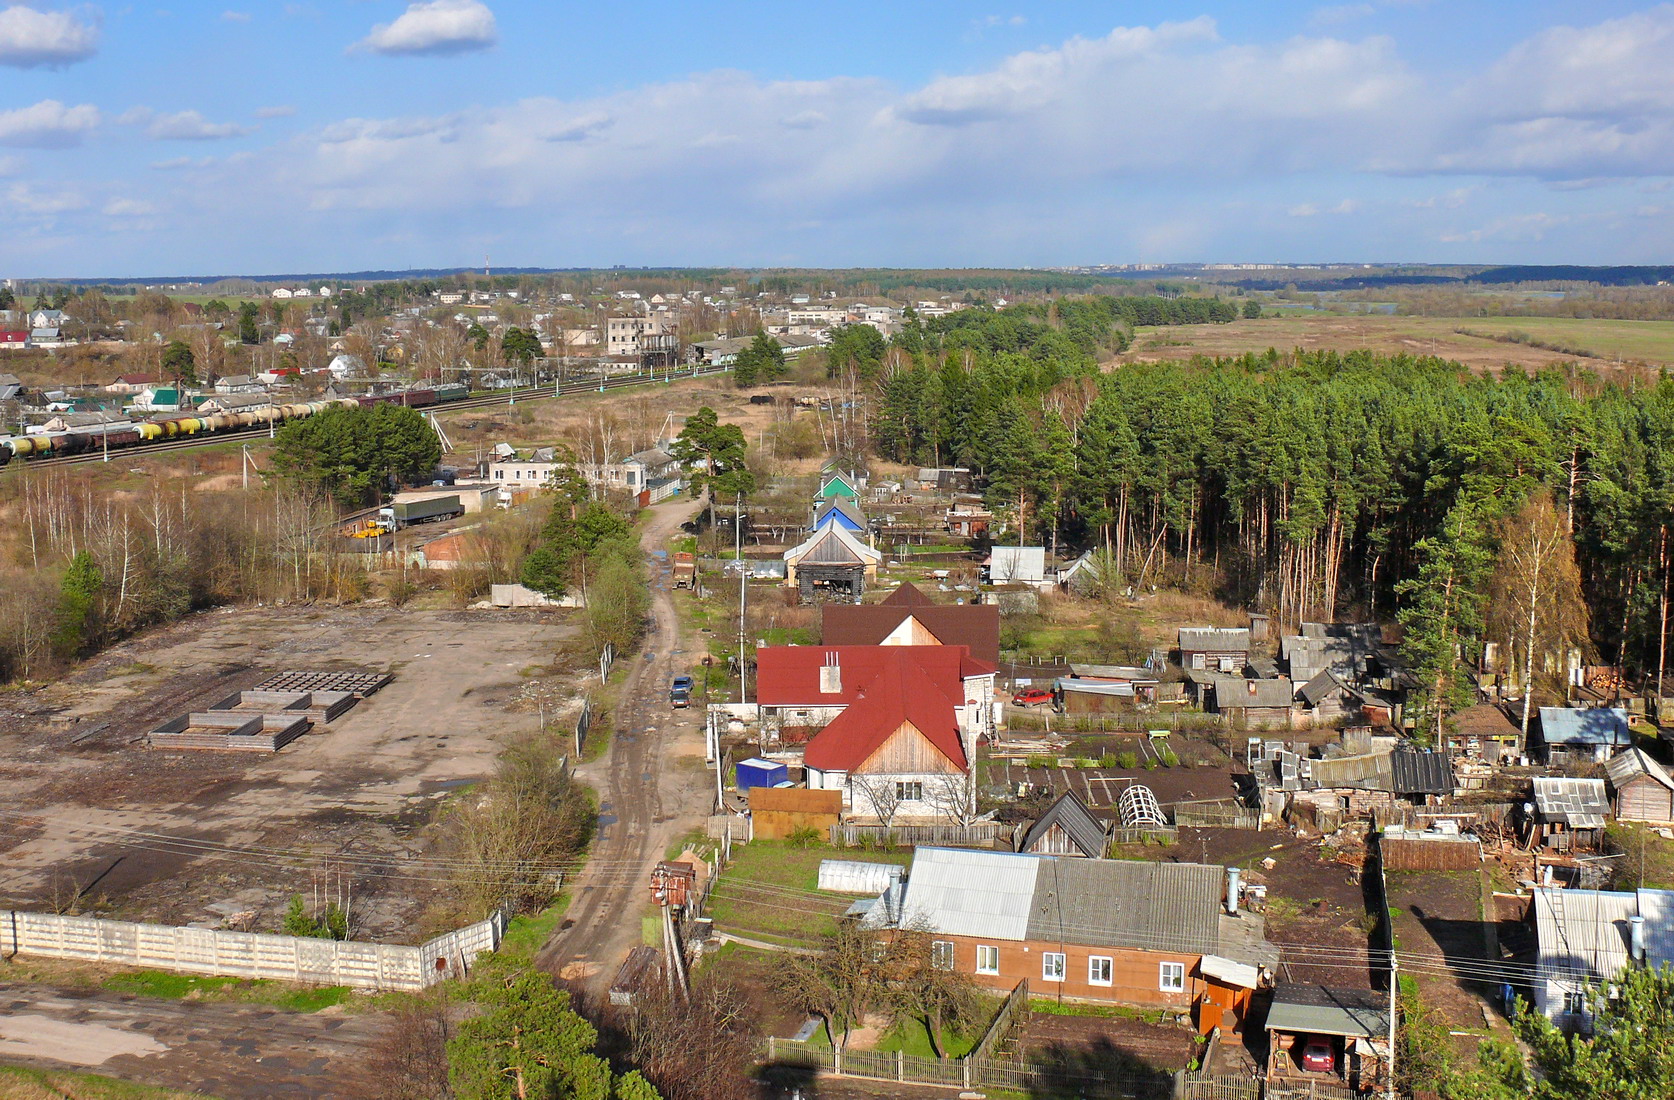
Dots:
{"x": 787, "y": 1081}
{"x": 1095, "y": 1070}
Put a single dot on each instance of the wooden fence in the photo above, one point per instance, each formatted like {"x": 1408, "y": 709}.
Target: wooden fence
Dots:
{"x": 1016, "y": 1001}
{"x": 982, "y": 833}
{"x": 1221, "y": 813}
{"x": 1309, "y": 1090}
{"x": 1220, "y": 1087}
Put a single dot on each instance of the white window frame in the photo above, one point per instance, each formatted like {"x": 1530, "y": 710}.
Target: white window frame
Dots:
{"x": 1053, "y": 965}
{"x": 1100, "y": 969}
{"x": 1575, "y": 1002}
{"x": 988, "y": 951}
{"x": 1171, "y": 977}
{"x": 909, "y": 790}
{"x": 941, "y": 954}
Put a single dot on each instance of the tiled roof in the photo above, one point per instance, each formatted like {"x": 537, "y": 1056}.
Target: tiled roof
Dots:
{"x": 974, "y": 625}
{"x": 790, "y": 675}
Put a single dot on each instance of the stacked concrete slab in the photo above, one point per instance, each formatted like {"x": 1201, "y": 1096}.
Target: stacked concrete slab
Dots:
{"x": 270, "y": 715}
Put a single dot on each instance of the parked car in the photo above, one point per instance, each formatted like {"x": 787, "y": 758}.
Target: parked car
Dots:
{"x": 1032, "y": 697}
{"x": 1318, "y": 1056}
{"x": 680, "y": 692}
{"x": 682, "y": 683}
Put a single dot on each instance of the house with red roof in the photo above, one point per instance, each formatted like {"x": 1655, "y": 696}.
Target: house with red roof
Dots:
{"x": 895, "y": 728}
{"x": 909, "y": 617}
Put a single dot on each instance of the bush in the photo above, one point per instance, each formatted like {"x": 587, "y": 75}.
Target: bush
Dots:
{"x": 1130, "y": 760}
{"x": 1169, "y": 759}
{"x": 1108, "y": 760}
{"x": 805, "y": 837}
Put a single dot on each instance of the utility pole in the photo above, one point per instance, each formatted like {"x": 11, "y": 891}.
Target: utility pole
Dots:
{"x": 738, "y": 554}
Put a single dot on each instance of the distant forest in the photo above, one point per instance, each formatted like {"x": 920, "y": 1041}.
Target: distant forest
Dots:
{"x": 1311, "y": 485}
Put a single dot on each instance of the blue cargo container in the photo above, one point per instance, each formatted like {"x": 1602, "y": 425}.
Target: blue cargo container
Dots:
{"x": 757, "y": 772}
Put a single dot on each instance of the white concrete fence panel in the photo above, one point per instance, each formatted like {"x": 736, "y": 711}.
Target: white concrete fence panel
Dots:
{"x": 249, "y": 954}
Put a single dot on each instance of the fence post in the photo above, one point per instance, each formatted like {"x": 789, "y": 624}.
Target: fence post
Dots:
{"x": 837, "y": 1060}
{"x": 965, "y": 1072}
{"x": 772, "y": 1051}
{"x": 900, "y": 1065}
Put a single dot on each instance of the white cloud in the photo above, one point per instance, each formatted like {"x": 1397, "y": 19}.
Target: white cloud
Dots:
{"x": 1303, "y": 210}
{"x": 31, "y": 38}
{"x": 435, "y": 27}
{"x": 48, "y": 124}
{"x": 31, "y": 200}
{"x": 181, "y": 126}
{"x": 128, "y": 208}
{"x": 280, "y": 111}
{"x": 236, "y": 16}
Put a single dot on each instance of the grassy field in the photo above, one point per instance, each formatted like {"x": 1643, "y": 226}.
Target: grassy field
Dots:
{"x": 172, "y": 986}
{"x": 770, "y": 891}
{"x": 1650, "y": 342}
{"x": 18, "y": 1083}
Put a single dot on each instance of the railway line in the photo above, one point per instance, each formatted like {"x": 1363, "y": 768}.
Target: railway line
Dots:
{"x": 487, "y": 401}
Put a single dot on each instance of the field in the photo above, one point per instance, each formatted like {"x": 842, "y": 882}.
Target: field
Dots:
{"x": 81, "y": 784}
{"x": 1648, "y": 342}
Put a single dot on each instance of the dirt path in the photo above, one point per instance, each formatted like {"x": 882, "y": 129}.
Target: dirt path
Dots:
{"x": 226, "y": 1050}
{"x": 646, "y": 797}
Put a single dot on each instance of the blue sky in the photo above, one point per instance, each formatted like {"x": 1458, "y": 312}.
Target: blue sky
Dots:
{"x": 262, "y": 137}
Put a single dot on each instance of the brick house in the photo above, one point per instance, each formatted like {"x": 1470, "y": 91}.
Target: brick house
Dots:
{"x": 1152, "y": 935}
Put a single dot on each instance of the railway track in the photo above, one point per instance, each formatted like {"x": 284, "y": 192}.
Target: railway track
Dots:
{"x": 488, "y": 401}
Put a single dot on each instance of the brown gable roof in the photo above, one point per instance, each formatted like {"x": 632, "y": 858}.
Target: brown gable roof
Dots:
{"x": 976, "y": 626}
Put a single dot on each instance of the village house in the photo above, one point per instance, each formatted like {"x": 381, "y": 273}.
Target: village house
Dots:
{"x": 1644, "y": 791}
{"x": 10, "y": 386}
{"x": 1586, "y": 937}
{"x": 1253, "y": 704}
{"x": 1067, "y": 828}
{"x": 908, "y": 617}
{"x": 1151, "y": 935}
{"x": 131, "y": 383}
{"x": 633, "y": 475}
{"x": 801, "y": 690}
{"x": 1588, "y": 733}
{"x": 1569, "y": 814}
{"x": 1015, "y": 565}
{"x": 1212, "y": 648}
{"x": 832, "y": 559}
{"x": 238, "y": 383}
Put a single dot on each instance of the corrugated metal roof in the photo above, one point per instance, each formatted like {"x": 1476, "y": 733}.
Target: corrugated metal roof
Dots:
{"x": 1421, "y": 771}
{"x": 1626, "y": 767}
{"x": 1127, "y": 902}
{"x": 1578, "y": 803}
{"x": 965, "y": 892}
{"x": 1589, "y": 726}
{"x": 1216, "y": 638}
{"x": 1325, "y": 1010}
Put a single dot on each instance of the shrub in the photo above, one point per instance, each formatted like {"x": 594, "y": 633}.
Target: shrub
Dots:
{"x": 1130, "y": 760}
{"x": 1169, "y": 759}
{"x": 805, "y": 837}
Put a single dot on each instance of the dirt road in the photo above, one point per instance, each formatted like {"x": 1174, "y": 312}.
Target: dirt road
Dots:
{"x": 652, "y": 787}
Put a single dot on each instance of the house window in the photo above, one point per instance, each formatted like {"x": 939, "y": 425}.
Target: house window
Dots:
{"x": 1172, "y": 978}
{"x": 1098, "y": 970}
{"x": 1575, "y": 1004}
{"x": 1052, "y": 966}
{"x": 909, "y": 792}
{"x": 941, "y": 954}
{"x": 988, "y": 959}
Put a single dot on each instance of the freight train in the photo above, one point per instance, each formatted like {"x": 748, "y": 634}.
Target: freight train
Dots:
{"x": 78, "y": 441}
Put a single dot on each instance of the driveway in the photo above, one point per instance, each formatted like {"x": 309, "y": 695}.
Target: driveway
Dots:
{"x": 652, "y": 786}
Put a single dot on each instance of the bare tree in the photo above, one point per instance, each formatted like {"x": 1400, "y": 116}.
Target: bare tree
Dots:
{"x": 1537, "y": 587}
{"x": 881, "y": 793}
{"x": 409, "y": 1061}
{"x": 694, "y": 1048}
{"x": 954, "y": 799}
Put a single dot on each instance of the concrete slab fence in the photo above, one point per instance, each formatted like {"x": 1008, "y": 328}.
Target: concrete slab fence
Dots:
{"x": 249, "y": 954}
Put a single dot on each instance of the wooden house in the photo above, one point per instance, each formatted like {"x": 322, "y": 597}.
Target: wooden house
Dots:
{"x": 1067, "y": 828}
{"x": 1215, "y": 648}
{"x": 1251, "y": 704}
{"x": 1569, "y": 814}
{"x": 1643, "y": 789}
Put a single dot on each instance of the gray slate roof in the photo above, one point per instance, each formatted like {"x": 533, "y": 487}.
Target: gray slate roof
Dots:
{"x": 1197, "y": 639}
{"x": 1116, "y": 903}
{"x": 1070, "y": 814}
{"x": 1578, "y": 803}
{"x": 1231, "y": 692}
{"x": 1624, "y": 768}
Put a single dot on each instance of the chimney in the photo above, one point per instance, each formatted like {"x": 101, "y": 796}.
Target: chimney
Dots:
{"x": 831, "y": 676}
{"x": 1232, "y": 875}
{"x": 1636, "y": 937}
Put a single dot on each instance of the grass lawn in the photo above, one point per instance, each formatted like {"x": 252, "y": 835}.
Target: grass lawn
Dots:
{"x": 19, "y": 1083}
{"x": 1648, "y": 860}
{"x": 526, "y": 934}
{"x": 172, "y": 986}
{"x": 769, "y": 890}
{"x": 913, "y": 1037}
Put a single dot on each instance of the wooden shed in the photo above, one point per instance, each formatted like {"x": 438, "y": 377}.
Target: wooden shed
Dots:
{"x": 1642, "y": 787}
{"x": 1067, "y": 828}
{"x": 777, "y": 812}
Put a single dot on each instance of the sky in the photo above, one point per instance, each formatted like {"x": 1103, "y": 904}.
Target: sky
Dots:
{"x": 342, "y": 135}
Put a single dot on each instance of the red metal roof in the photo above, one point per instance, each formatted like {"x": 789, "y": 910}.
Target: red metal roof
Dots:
{"x": 790, "y": 675}
{"x": 899, "y": 692}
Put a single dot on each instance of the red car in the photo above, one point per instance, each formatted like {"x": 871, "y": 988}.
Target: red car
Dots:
{"x": 1317, "y": 1056}
{"x": 1032, "y": 697}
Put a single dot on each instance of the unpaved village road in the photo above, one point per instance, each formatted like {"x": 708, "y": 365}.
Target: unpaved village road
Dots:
{"x": 652, "y": 787}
